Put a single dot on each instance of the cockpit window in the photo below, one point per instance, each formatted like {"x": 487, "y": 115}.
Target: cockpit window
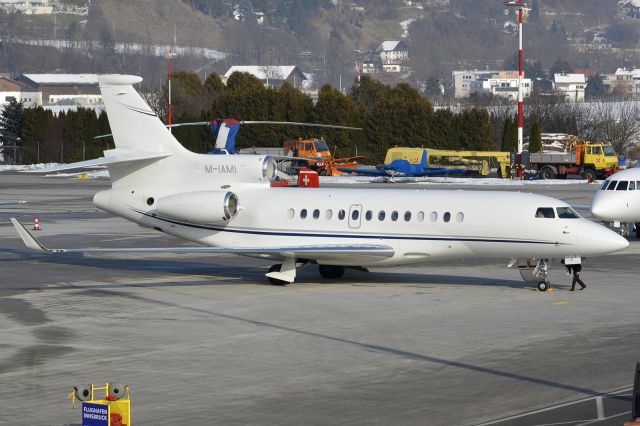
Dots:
{"x": 622, "y": 185}
{"x": 545, "y": 212}
{"x": 612, "y": 185}
{"x": 632, "y": 185}
{"x": 605, "y": 184}
{"x": 567, "y": 213}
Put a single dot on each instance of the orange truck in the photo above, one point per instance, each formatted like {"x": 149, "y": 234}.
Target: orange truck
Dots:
{"x": 319, "y": 155}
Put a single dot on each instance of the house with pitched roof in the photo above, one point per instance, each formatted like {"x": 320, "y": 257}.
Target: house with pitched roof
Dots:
{"x": 271, "y": 75}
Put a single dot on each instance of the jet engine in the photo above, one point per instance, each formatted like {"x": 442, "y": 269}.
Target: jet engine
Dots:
{"x": 199, "y": 206}
{"x": 240, "y": 168}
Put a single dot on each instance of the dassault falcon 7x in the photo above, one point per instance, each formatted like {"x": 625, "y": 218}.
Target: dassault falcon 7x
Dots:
{"x": 226, "y": 203}
{"x": 618, "y": 200}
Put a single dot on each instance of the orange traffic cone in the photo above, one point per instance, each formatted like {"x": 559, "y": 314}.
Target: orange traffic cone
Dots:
{"x": 36, "y": 224}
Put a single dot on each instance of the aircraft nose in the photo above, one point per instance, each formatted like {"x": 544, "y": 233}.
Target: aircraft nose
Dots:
{"x": 598, "y": 206}
{"x": 596, "y": 239}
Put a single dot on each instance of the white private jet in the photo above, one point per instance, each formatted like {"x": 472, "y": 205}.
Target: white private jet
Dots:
{"x": 226, "y": 203}
{"x": 618, "y": 200}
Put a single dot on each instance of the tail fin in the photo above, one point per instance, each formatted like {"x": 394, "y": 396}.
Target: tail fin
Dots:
{"x": 134, "y": 125}
{"x": 423, "y": 162}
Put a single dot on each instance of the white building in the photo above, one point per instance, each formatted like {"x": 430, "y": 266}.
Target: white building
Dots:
{"x": 623, "y": 82}
{"x": 393, "y": 55}
{"x": 28, "y": 7}
{"x": 79, "y": 90}
{"x": 497, "y": 83}
{"x": 271, "y": 75}
{"x": 570, "y": 85}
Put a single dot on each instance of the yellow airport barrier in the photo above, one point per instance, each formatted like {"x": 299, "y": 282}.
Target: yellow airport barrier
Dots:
{"x": 112, "y": 410}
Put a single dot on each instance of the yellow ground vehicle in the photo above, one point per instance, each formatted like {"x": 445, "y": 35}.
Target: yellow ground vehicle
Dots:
{"x": 590, "y": 160}
{"x": 478, "y": 161}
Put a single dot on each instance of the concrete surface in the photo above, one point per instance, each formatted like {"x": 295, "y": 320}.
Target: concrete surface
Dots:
{"x": 205, "y": 340}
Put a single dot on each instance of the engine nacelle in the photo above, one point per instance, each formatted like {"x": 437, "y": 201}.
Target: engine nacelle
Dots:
{"x": 199, "y": 206}
{"x": 240, "y": 168}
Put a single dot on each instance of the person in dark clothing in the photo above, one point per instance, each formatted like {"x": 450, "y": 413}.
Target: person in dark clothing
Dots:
{"x": 576, "y": 276}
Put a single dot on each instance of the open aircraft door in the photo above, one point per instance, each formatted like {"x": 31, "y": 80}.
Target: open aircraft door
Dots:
{"x": 355, "y": 216}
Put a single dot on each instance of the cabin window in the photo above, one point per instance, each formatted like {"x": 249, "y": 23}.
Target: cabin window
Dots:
{"x": 303, "y": 214}
{"x": 459, "y": 217}
{"x": 342, "y": 214}
{"x": 381, "y": 215}
{"x": 632, "y": 185}
{"x": 328, "y": 214}
{"x": 420, "y": 216}
{"x": 407, "y": 216}
{"x": 368, "y": 215}
{"x": 433, "y": 216}
{"x": 545, "y": 212}
{"x": 308, "y": 146}
{"x": 316, "y": 214}
{"x": 612, "y": 185}
{"x": 291, "y": 213}
{"x": 567, "y": 213}
{"x": 605, "y": 184}
{"x": 355, "y": 215}
{"x": 622, "y": 185}
{"x": 446, "y": 217}
{"x": 394, "y": 215}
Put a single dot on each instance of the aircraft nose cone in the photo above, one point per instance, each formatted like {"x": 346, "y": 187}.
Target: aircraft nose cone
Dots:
{"x": 596, "y": 239}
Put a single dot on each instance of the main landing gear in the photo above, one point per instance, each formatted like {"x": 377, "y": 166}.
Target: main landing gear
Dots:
{"x": 285, "y": 273}
{"x": 331, "y": 272}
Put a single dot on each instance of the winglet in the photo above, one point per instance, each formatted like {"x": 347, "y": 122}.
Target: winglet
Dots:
{"x": 28, "y": 239}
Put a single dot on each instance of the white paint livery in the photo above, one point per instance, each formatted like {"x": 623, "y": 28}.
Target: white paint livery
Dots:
{"x": 333, "y": 227}
{"x": 618, "y": 199}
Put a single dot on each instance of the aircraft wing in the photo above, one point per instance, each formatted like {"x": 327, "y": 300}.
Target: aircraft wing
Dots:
{"x": 307, "y": 251}
{"x": 364, "y": 172}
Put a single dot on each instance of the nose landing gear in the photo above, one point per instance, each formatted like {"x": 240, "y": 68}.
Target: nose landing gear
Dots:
{"x": 535, "y": 271}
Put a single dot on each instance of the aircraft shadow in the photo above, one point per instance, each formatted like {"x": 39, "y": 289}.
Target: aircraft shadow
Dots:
{"x": 252, "y": 273}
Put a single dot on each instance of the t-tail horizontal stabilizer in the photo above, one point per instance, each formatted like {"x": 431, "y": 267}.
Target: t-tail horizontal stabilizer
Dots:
{"x": 111, "y": 158}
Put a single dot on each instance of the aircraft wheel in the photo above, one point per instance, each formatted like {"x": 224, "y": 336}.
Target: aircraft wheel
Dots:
{"x": 274, "y": 281}
{"x": 331, "y": 272}
{"x": 543, "y": 286}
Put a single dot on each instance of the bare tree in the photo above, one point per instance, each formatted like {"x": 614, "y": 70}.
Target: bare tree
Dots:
{"x": 157, "y": 100}
{"x": 272, "y": 73}
{"x": 617, "y": 123}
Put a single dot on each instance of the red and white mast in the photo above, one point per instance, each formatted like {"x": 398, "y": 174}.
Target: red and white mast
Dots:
{"x": 521, "y": 7}
{"x": 170, "y": 109}
{"x": 520, "y": 77}
{"x": 171, "y": 55}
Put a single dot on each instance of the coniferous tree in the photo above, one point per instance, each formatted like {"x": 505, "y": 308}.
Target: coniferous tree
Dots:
{"x": 510, "y": 135}
{"x": 535, "y": 138}
{"x": 11, "y": 122}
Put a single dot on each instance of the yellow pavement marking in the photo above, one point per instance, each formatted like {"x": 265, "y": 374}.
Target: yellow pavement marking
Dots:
{"x": 560, "y": 303}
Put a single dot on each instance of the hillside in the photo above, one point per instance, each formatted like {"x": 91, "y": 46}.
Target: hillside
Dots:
{"x": 327, "y": 37}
